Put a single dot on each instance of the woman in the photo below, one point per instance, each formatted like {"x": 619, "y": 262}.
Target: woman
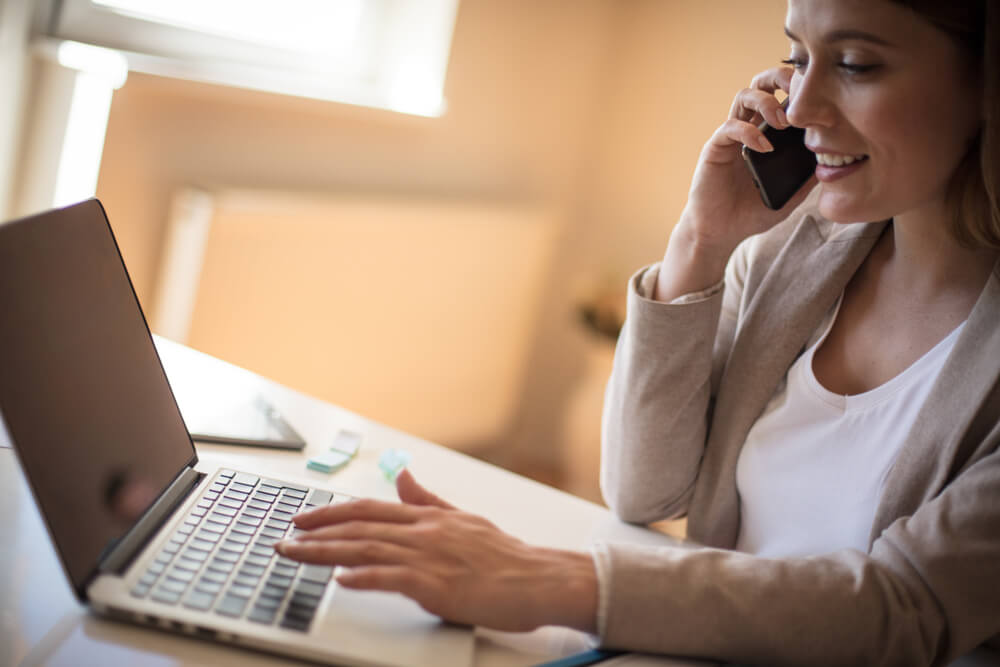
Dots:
{"x": 820, "y": 398}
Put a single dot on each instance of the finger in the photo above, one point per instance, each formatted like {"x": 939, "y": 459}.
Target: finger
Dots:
{"x": 754, "y": 104}
{"x": 395, "y": 533}
{"x": 735, "y": 132}
{"x": 345, "y": 552}
{"x": 365, "y": 509}
{"x": 413, "y": 494}
{"x": 774, "y": 79}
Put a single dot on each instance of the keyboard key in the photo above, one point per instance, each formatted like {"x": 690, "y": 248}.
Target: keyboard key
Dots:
{"x": 271, "y": 486}
{"x": 156, "y": 568}
{"x": 256, "y": 560}
{"x": 238, "y": 538}
{"x": 243, "y": 529}
{"x": 210, "y": 587}
{"x": 262, "y": 551}
{"x": 273, "y": 592}
{"x": 195, "y": 555}
{"x": 216, "y": 487}
{"x": 320, "y": 497}
{"x": 171, "y": 547}
{"x": 185, "y": 563}
{"x": 263, "y": 614}
{"x": 279, "y": 581}
{"x": 201, "y": 545}
{"x": 205, "y": 503}
{"x": 207, "y": 535}
{"x": 244, "y": 579}
{"x": 317, "y": 573}
{"x": 258, "y": 504}
{"x": 295, "y": 493}
{"x": 230, "y": 503}
{"x": 199, "y": 511}
{"x": 172, "y": 585}
{"x": 284, "y": 507}
{"x": 215, "y": 576}
{"x": 251, "y": 521}
{"x": 227, "y": 554}
{"x": 227, "y": 473}
{"x": 282, "y": 516}
{"x": 310, "y": 588}
{"x": 278, "y": 523}
{"x": 199, "y": 600}
{"x": 233, "y": 494}
{"x": 149, "y": 578}
{"x": 221, "y": 566}
{"x": 245, "y": 478}
{"x": 294, "y": 624}
{"x": 218, "y": 517}
{"x": 185, "y": 576}
{"x": 213, "y": 526}
{"x": 272, "y": 532}
{"x": 140, "y": 590}
{"x": 254, "y": 512}
{"x": 250, "y": 569}
{"x": 284, "y": 570}
{"x": 165, "y": 596}
{"x": 224, "y": 511}
{"x": 211, "y": 495}
{"x": 185, "y": 529}
{"x": 265, "y": 496}
{"x": 230, "y": 605}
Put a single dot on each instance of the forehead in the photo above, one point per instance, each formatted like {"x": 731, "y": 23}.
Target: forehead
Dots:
{"x": 814, "y": 19}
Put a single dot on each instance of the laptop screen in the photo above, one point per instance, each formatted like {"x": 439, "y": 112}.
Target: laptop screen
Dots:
{"x": 85, "y": 400}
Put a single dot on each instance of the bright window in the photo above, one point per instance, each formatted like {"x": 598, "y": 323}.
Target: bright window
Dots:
{"x": 390, "y": 54}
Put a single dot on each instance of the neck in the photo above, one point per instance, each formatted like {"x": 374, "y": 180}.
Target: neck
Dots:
{"x": 927, "y": 262}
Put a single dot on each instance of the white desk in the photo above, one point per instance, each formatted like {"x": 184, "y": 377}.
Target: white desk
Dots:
{"x": 41, "y": 622}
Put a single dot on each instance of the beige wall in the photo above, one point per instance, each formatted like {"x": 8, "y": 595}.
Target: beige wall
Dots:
{"x": 597, "y": 108}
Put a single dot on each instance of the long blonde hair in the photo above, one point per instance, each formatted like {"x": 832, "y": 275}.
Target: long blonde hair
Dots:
{"x": 974, "y": 191}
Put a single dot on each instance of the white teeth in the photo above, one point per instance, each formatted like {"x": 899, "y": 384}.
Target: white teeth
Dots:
{"x": 834, "y": 160}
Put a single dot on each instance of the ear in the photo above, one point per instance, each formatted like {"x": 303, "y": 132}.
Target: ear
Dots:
{"x": 413, "y": 494}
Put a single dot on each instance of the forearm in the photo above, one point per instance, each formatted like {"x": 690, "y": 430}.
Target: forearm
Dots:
{"x": 656, "y": 405}
{"x": 690, "y": 263}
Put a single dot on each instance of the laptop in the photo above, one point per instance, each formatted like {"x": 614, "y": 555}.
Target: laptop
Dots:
{"x": 144, "y": 533}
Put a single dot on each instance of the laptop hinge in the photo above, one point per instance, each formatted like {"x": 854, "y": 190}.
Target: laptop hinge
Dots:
{"x": 142, "y": 532}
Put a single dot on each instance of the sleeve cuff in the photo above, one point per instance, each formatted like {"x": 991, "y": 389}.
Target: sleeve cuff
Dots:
{"x": 647, "y": 283}
{"x": 599, "y": 552}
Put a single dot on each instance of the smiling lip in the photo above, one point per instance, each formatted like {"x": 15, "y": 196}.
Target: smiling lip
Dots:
{"x": 834, "y": 165}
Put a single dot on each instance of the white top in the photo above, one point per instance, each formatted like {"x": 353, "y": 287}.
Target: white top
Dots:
{"x": 811, "y": 472}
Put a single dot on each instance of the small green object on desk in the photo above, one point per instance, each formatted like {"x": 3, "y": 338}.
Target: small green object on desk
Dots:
{"x": 392, "y": 462}
{"x": 345, "y": 446}
{"x": 328, "y": 461}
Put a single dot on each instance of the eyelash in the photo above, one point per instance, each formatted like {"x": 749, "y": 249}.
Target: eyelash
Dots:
{"x": 850, "y": 69}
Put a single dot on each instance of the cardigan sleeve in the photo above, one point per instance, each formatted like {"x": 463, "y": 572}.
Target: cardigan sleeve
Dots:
{"x": 924, "y": 595}
{"x": 657, "y": 403}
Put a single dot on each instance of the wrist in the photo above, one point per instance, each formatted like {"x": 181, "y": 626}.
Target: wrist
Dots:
{"x": 567, "y": 594}
{"x": 692, "y": 263}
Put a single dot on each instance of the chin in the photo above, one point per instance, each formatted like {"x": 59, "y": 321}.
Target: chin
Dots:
{"x": 844, "y": 208}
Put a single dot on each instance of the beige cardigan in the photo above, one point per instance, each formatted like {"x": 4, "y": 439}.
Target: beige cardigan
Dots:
{"x": 688, "y": 383}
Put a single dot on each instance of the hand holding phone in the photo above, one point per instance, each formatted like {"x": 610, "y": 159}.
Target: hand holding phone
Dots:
{"x": 781, "y": 173}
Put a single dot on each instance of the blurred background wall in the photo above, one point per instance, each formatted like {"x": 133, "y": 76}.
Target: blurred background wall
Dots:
{"x": 579, "y": 119}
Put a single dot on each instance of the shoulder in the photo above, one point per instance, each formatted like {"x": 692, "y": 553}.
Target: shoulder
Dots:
{"x": 802, "y": 232}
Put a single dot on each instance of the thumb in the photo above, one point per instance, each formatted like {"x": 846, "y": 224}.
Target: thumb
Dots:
{"x": 412, "y": 493}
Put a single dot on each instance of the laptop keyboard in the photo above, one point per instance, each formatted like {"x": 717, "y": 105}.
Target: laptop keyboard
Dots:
{"x": 222, "y": 558}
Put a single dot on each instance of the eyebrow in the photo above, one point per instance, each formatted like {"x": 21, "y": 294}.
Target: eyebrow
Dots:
{"x": 844, "y": 35}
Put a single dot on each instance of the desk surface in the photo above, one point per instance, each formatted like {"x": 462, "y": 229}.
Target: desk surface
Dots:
{"x": 41, "y": 622}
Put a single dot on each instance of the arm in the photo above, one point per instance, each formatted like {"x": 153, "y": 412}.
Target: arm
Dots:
{"x": 926, "y": 594}
{"x": 658, "y": 398}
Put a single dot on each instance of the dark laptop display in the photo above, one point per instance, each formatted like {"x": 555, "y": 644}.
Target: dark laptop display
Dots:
{"x": 83, "y": 395}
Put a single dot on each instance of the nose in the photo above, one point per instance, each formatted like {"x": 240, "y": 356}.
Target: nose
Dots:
{"x": 808, "y": 101}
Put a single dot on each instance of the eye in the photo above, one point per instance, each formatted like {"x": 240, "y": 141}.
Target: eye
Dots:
{"x": 798, "y": 63}
{"x": 853, "y": 68}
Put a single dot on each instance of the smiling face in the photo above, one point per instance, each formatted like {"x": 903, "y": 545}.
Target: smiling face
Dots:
{"x": 888, "y": 102}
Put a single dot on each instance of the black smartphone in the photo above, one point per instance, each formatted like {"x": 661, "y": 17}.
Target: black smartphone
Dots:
{"x": 779, "y": 174}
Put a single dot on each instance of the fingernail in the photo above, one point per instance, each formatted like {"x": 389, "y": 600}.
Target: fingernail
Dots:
{"x": 783, "y": 118}
{"x": 763, "y": 145}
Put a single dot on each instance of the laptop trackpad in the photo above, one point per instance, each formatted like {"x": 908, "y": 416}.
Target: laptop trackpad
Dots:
{"x": 393, "y": 628}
